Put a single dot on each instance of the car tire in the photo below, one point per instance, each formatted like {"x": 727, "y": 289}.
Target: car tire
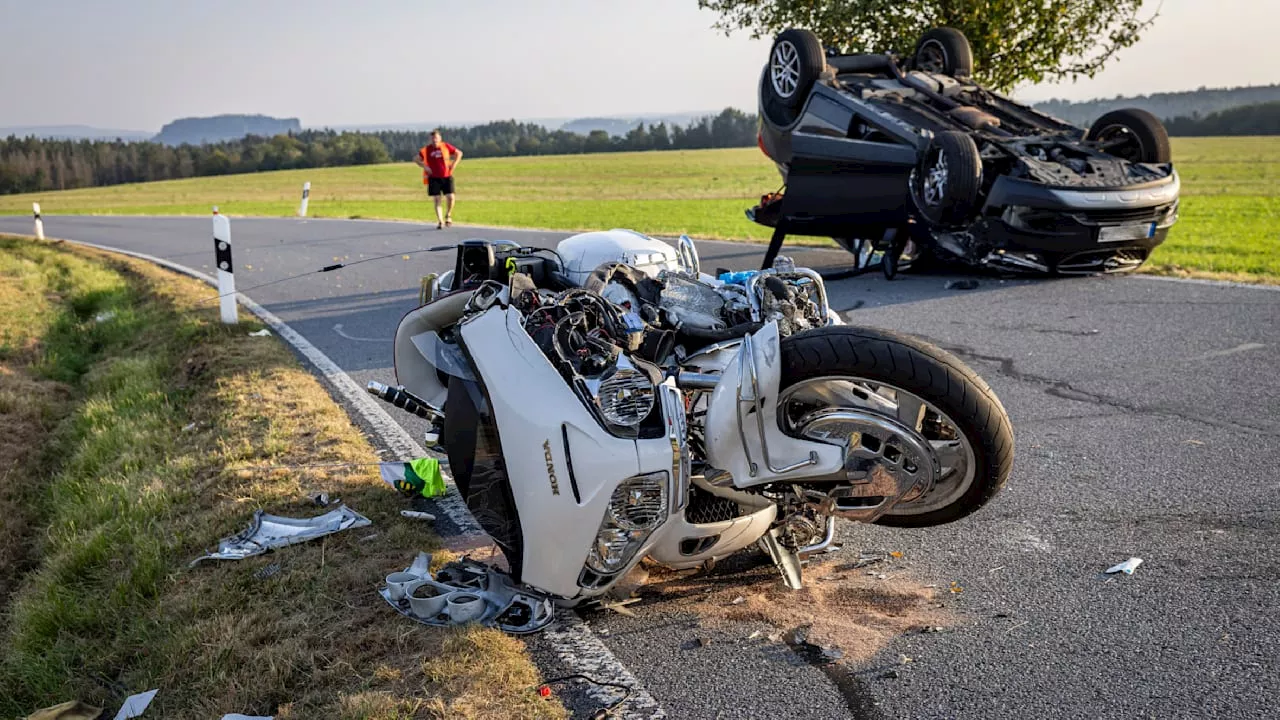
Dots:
{"x": 949, "y": 179}
{"x": 945, "y": 51}
{"x": 1132, "y": 134}
{"x": 795, "y": 61}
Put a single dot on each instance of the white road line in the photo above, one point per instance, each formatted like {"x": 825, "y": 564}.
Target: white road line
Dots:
{"x": 1201, "y": 281}
{"x": 573, "y": 642}
{"x": 337, "y": 328}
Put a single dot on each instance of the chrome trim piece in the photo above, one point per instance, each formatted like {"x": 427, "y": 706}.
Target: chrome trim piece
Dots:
{"x": 678, "y": 435}
{"x": 821, "y": 546}
{"x": 747, "y": 364}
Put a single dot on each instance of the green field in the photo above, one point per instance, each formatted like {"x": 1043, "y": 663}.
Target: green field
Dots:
{"x": 1230, "y": 224}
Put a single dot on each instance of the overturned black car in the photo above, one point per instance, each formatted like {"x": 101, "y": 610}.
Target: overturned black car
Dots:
{"x": 908, "y": 158}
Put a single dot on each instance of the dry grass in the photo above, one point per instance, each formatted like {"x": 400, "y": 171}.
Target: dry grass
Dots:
{"x": 300, "y": 633}
{"x": 839, "y": 606}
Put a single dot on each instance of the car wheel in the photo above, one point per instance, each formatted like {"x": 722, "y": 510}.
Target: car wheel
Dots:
{"x": 949, "y": 179}
{"x": 945, "y": 51}
{"x": 795, "y": 61}
{"x": 1132, "y": 134}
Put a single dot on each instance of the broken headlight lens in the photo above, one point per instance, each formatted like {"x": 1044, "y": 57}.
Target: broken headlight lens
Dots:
{"x": 626, "y": 397}
{"x": 636, "y": 508}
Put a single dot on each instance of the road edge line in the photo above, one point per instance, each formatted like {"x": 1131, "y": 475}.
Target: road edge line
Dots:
{"x": 573, "y": 642}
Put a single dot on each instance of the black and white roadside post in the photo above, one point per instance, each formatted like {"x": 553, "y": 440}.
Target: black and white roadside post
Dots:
{"x": 35, "y": 210}
{"x": 226, "y": 276}
{"x": 306, "y": 195}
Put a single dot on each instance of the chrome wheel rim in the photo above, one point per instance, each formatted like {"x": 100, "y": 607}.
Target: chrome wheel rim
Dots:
{"x": 784, "y": 69}
{"x": 935, "y": 180}
{"x": 897, "y": 430}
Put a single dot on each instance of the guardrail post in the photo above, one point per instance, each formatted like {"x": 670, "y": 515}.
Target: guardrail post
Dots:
{"x": 35, "y": 210}
{"x": 226, "y": 271}
{"x": 306, "y": 195}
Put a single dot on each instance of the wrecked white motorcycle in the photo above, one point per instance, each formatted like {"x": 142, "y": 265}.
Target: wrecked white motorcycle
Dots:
{"x": 606, "y": 401}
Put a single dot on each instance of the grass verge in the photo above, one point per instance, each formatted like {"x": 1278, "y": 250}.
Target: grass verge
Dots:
{"x": 147, "y": 431}
{"x": 1230, "y": 224}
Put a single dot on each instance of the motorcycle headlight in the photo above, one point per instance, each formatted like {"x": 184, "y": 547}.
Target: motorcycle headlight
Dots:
{"x": 626, "y": 397}
{"x": 636, "y": 508}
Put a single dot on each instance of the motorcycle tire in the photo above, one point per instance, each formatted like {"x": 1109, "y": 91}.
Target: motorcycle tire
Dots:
{"x": 929, "y": 372}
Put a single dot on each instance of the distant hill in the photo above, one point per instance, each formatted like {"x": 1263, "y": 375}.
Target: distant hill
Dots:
{"x": 220, "y": 128}
{"x": 1260, "y": 119}
{"x": 1166, "y": 106}
{"x": 619, "y": 126}
{"x": 74, "y": 132}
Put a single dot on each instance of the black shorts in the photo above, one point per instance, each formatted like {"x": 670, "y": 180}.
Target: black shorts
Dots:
{"x": 440, "y": 186}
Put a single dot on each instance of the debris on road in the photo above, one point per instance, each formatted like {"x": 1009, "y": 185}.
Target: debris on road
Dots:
{"x": 465, "y": 591}
{"x": 267, "y": 532}
{"x": 135, "y": 705}
{"x": 261, "y": 333}
{"x": 961, "y": 285}
{"x": 1127, "y": 567}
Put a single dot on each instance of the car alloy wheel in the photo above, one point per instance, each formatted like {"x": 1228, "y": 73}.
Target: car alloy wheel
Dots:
{"x": 935, "y": 181}
{"x": 1121, "y": 142}
{"x": 784, "y": 69}
{"x": 932, "y": 57}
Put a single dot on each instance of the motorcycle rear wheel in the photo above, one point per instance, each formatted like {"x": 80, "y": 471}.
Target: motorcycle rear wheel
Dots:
{"x": 897, "y": 369}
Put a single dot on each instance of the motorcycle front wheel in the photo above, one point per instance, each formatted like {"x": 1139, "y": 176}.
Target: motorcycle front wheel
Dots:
{"x": 916, "y": 395}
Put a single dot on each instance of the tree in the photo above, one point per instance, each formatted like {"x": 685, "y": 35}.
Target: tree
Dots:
{"x": 1013, "y": 41}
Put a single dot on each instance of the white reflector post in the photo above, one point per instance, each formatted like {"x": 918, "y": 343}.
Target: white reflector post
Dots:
{"x": 306, "y": 195}
{"x": 226, "y": 271}
{"x": 35, "y": 210}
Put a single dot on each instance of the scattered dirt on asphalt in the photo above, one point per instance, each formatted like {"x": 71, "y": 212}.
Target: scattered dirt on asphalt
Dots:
{"x": 846, "y": 609}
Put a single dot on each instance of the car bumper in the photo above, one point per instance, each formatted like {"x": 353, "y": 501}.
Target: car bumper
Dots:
{"x": 1029, "y": 226}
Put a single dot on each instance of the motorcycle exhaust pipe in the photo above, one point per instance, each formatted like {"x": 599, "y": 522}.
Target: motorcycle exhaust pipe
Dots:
{"x": 404, "y": 400}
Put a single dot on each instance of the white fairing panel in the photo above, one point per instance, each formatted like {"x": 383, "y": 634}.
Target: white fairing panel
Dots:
{"x": 585, "y": 252}
{"x": 536, "y": 411}
{"x": 413, "y": 370}
{"x": 734, "y": 439}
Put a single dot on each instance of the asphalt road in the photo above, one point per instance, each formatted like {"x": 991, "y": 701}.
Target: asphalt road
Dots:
{"x": 1147, "y": 417}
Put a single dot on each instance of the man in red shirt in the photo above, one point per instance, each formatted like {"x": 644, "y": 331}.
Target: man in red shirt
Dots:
{"x": 437, "y": 161}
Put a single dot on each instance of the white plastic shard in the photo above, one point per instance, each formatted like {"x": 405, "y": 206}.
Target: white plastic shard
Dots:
{"x": 267, "y": 532}
{"x": 135, "y": 705}
{"x": 1127, "y": 567}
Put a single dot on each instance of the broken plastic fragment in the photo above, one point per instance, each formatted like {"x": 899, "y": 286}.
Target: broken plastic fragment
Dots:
{"x": 135, "y": 705}
{"x": 1127, "y": 567}
{"x": 267, "y": 532}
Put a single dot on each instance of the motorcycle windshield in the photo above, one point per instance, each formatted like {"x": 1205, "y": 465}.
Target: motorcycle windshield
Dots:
{"x": 447, "y": 357}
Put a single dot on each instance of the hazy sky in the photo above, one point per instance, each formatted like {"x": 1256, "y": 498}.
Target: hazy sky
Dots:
{"x": 136, "y": 64}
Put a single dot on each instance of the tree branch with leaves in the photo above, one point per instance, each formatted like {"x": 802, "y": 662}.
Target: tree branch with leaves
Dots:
{"x": 1014, "y": 41}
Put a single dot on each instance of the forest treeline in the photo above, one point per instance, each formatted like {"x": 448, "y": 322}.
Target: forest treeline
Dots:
{"x": 33, "y": 165}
